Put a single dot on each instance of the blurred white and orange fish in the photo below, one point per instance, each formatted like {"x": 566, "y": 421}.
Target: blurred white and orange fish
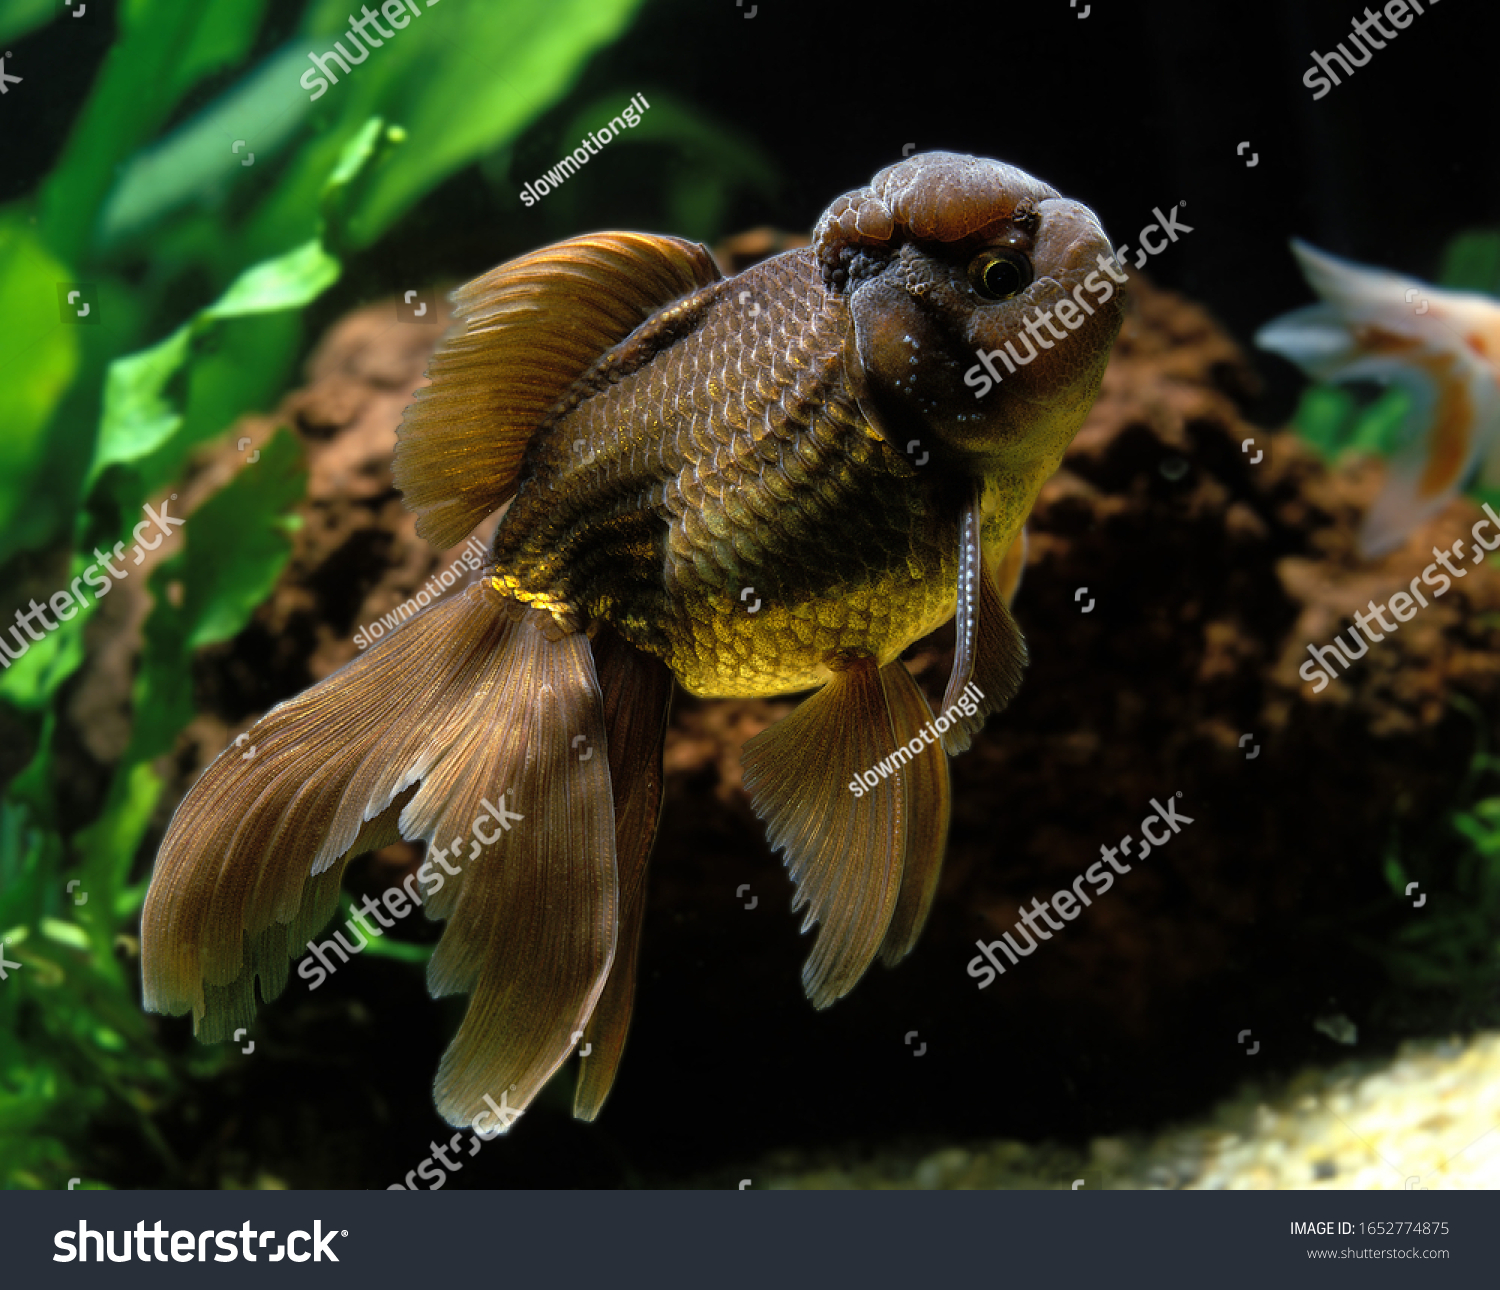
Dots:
{"x": 1441, "y": 347}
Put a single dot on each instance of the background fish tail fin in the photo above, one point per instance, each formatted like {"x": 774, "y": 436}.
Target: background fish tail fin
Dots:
{"x": 1315, "y": 338}
{"x": 1448, "y": 427}
{"x": 844, "y": 850}
{"x": 1404, "y": 503}
{"x": 526, "y": 804}
{"x": 637, "y": 692}
{"x": 1357, "y": 291}
{"x": 1362, "y": 312}
{"x": 524, "y": 333}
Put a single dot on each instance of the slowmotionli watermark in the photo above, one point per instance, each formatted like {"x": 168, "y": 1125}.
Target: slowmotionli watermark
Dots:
{"x": 396, "y": 902}
{"x": 1403, "y": 605}
{"x": 65, "y": 604}
{"x": 984, "y": 376}
{"x": 579, "y": 157}
{"x": 470, "y": 558}
{"x": 1066, "y": 903}
{"x": 1399, "y": 14}
{"x": 967, "y": 704}
{"x": 396, "y": 12}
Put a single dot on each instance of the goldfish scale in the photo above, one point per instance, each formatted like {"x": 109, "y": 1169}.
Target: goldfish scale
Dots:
{"x": 762, "y": 474}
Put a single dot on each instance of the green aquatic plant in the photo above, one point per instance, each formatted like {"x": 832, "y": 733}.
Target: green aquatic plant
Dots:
{"x": 1437, "y": 936}
{"x": 82, "y": 1049}
{"x": 192, "y": 239}
{"x": 1453, "y": 951}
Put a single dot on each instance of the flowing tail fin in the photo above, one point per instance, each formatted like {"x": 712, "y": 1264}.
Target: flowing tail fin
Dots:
{"x": 477, "y": 723}
{"x": 416, "y": 739}
{"x": 637, "y": 700}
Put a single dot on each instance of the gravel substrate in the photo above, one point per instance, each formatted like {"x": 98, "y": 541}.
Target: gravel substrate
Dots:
{"x": 1427, "y": 1118}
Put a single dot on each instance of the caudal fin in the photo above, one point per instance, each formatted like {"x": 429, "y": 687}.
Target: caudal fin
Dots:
{"x": 466, "y": 728}
{"x": 637, "y": 699}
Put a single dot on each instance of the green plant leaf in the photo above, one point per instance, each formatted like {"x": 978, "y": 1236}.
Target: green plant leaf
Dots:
{"x": 41, "y": 360}
{"x": 1471, "y": 262}
{"x": 238, "y": 545}
{"x": 18, "y": 17}
{"x": 232, "y": 142}
{"x": 162, "y": 50}
{"x": 143, "y": 397}
{"x": 234, "y": 548}
{"x": 500, "y": 65}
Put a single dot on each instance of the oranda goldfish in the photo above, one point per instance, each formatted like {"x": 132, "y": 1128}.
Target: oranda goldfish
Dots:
{"x": 1440, "y": 346}
{"x": 752, "y": 486}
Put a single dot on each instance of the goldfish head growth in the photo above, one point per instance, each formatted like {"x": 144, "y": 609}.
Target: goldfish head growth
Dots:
{"x": 983, "y": 306}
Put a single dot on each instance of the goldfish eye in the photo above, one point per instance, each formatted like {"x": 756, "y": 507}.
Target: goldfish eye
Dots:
{"x": 999, "y": 274}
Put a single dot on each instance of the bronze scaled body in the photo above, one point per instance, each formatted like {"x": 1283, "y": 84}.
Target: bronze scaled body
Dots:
{"x": 755, "y": 486}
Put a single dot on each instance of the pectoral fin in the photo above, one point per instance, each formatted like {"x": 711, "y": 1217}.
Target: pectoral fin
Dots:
{"x": 989, "y": 651}
{"x": 1011, "y": 567}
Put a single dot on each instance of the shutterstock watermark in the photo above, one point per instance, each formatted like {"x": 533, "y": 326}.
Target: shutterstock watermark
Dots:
{"x": 435, "y": 1175}
{"x": 397, "y": 903}
{"x": 66, "y": 604}
{"x": 1067, "y": 904}
{"x": 1399, "y": 14}
{"x": 967, "y": 704}
{"x": 984, "y": 376}
{"x": 151, "y": 1245}
{"x": 396, "y": 12}
{"x": 470, "y": 558}
{"x": 579, "y": 157}
{"x": 1403, "y": 606}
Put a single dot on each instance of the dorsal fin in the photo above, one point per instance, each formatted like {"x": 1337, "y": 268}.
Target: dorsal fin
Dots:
{"x": 526, "y": 331}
